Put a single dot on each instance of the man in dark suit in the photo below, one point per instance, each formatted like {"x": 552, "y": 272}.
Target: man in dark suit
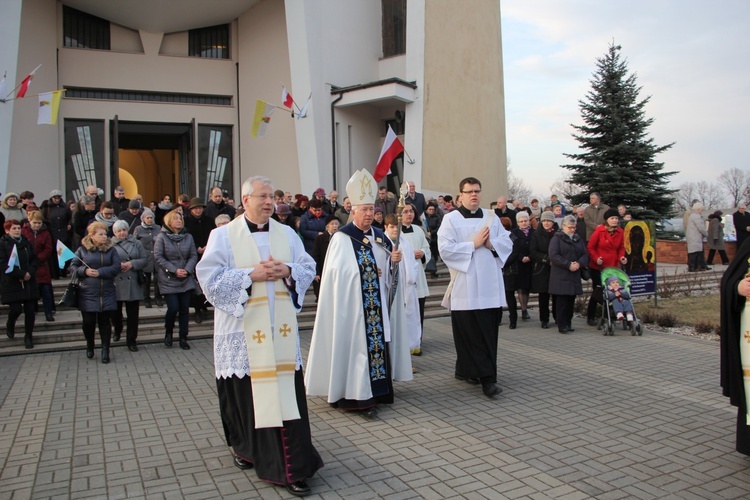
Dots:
{"x": 419, "y": 202}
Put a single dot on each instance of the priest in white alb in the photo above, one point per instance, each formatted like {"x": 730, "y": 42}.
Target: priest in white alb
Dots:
{"x": 359, "y": 343}
{"x": 255, "y": 272}
{"x": 474, "y": 245}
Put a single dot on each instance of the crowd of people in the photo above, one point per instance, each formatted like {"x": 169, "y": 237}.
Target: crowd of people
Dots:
{"x": 367, "y": 258}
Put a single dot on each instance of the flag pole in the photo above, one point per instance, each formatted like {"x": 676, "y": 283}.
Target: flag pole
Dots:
{"x": 40, "y": 93}
{"x": 19, "y": 85}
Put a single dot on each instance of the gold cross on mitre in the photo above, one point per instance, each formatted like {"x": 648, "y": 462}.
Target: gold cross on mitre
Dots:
{"x": 361, "y": 188}
{"x": 285, "y": 330}
{"x": 258, "y": 337}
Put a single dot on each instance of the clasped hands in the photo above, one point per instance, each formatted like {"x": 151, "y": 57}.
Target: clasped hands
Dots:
{"x": 483, "y": 238}
{"x": 270, "y": 270}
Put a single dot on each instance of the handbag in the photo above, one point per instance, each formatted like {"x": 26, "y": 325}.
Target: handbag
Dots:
{"x": 70, "y": 295}
{"x": 585, "y": 274}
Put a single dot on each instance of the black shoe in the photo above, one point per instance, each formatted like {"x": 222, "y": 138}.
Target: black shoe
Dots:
{"x": 168, "y": 340}
{"x": 591, "y": 322}
{"x": 184, "y": 345}
{"x": 105, "y": 355}
{"x": 148, "y": 303}
{"x": 298, "y": 488}
{"x": 571, "y": 329}
{"x": 49, "y": 317}
{"x": 370, "y": 413}
{"x": 133, "y": 348}
{"x": 199, "y": 317}
{"x": 545, "y": 325}
{"x": 10, "y": 330}
{"x": 159, "y": 302}
{"x": 512, "y": 325}
{"x": 241, "y": 463}
{"x": 563, "y": 330}
{"x": 491, "y": 389}
{"x": 27, "y": 342}
{"x": 525, "y": 314}
{"x": 469, "y": 380}
{"x": 90, "y": 350}
{"x": 117, "y": 337}
{"x": 706, "y": 268}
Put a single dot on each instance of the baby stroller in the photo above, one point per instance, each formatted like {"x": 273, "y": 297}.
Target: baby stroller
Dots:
{"x": 608, "y": 321}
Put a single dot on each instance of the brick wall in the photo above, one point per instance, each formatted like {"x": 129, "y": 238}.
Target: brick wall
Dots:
{"x": 675, "y": 252}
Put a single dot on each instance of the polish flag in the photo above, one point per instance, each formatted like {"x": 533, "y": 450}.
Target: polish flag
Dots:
{"x": 392, "y": 147}
{"x": 25, "y": 83}
{"x": 286, "y": 98}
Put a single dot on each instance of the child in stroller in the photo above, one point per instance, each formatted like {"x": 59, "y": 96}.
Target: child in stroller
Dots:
{"x": 619, "y": 298}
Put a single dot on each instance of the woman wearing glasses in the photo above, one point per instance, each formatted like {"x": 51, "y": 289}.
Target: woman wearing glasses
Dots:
{"x": 568, "y": 255}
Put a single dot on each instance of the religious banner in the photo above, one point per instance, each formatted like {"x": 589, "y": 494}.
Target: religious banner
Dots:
{"x": 640, "y": 250}
{"x": 84, "y": 156}
{"x": 214, "y": 159}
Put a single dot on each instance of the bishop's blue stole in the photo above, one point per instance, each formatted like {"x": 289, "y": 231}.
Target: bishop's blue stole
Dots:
{"x": 372, "y": 303}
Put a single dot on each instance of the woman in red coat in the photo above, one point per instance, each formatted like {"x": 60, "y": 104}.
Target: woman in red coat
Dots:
{"x": 606, "y": 249}
{"x": 41, "y": 239}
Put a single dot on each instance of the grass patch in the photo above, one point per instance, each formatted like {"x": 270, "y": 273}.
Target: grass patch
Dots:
{"x": 702, "y": 311}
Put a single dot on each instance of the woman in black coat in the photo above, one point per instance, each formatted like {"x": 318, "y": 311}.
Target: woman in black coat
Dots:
{"x": 96, "y": 267}
{"x": 510, "y": 274}
{"x": 735, "y": 290}
{"x": 523, "y": 233}
{"x": 568, "y": 254}
{"x": 539, "y": 252}
{"x": 18, "y": 288}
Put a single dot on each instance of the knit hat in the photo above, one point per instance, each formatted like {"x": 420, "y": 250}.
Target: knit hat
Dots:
{"x": 134, "y": 204}
{"x": 146, "y": 211}
{"x": 319, "y": 191}
{"x": 283, "y": 209}
{"x": 610, "y": 212}
{"x": 547, "y": 215}
{"x": 55, "y": 192}
{"x": 378, "y": 209}
{"x": 611, "y": 279}
{"x": 330, "y": 218}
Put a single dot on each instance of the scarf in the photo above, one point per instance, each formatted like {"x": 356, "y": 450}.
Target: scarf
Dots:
{"x": 107, "y": 222}
{"x": 176, "y": 237}
{"x": 165, "y": 206}
{"x": 144, "y": 226}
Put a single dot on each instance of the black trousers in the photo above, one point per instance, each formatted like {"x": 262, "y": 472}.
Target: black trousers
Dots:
{"x": 564, "y": 310}
{"x": 475, "y": 337}
{"x": 103, "y": 320}
{"x": 132, "y": 309}
{"x": 544, "y": 300}
{"x": 722, "y": 254}
{"x": 510, "y": 298}
{"x": 28, "y": 308}
{"x": 596, "y": 292}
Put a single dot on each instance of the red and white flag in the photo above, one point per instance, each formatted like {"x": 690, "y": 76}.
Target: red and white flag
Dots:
{"x": 26, "y": 82}
{"x": 392, "y": 147}
{"x": 286, "y": 98}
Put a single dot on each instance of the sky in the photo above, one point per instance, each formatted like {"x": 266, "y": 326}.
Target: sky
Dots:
{"x": 690, "y": 56}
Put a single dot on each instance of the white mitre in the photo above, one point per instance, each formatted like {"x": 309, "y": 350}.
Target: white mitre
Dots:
{"x": 362, "y": 188}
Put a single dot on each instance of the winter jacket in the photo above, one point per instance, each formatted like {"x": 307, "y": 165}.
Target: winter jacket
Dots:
{"x": 12, "y": 286}
{"x": 212, "y": 210}
{"x": 41, "y": 241}
{"x": 147, "y": 236}
{"x": 127, "y": 284}
{"x": 81, "y": 220}
{"x": 715, "y": 238}
{"x": 562, "y": 251}
{"x": 199, "y": 228}
{"x": 609, "y": 246}
{"x": 539, "y": 253}
{"x": 59, "y": 220}
{"x": 96, "y": 294}
{"x": 695, "y": 231}
{"x": 510, "y": 268}
{"x": 310, "y": 226}
{"x": 523, "y": 279}
{"x": 17, "y": 212}
{"x": 172, "y": 252}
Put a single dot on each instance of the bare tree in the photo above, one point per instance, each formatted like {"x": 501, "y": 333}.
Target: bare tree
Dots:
{"x": 708, "y": 193}
{"x": 735, "y": 182}
{"x": 683, "y": 198}
{"x": 565, "y": 190}
{"x": 517, "y": 188}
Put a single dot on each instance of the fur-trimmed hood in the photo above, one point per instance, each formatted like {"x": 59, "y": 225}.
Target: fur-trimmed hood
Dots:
{"x": 91, "y": 247}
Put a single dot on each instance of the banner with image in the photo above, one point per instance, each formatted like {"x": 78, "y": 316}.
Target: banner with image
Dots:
{"x": 640, "y": 250}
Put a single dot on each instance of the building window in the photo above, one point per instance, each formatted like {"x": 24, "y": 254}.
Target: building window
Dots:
{"x": 211, "y": 42}
{"x": 84, "y": 30}
{"x": 394, "y": 27}
{"x": 144, "y": 96}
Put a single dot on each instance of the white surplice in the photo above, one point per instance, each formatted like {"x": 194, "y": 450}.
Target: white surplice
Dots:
{"x": 418, "y": 240}
{"x": 338, "y": 363}
{"x": 409, "y": 269}
{"x": 225, "y": 286}
{"x": 478, "y": 282}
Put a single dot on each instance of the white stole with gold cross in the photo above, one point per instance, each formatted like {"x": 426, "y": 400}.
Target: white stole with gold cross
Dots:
{"x": 745, "y": 355}
{"x": 272, "y": 357}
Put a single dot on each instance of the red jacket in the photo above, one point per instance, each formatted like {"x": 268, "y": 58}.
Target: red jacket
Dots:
{"x": 42, "y": 243}
{"x": 609, "y": 246}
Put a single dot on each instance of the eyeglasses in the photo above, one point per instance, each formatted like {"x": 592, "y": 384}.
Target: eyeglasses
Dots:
{"x": 473, "y": 191}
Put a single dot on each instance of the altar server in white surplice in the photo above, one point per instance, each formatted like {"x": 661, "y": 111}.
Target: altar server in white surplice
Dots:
{"x": 359, "y": 344}
{"x": 421, "y": 250}
{"x": 255, "y": 272}
{"x": 474, "y": 245}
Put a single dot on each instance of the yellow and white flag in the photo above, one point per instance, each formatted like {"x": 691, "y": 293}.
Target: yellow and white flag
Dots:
{"x": 49, "y": 105}
{"x": 263, "y": 112}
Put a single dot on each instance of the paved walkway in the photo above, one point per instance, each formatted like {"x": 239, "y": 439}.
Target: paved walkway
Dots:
{"x": 581, "y": 415}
